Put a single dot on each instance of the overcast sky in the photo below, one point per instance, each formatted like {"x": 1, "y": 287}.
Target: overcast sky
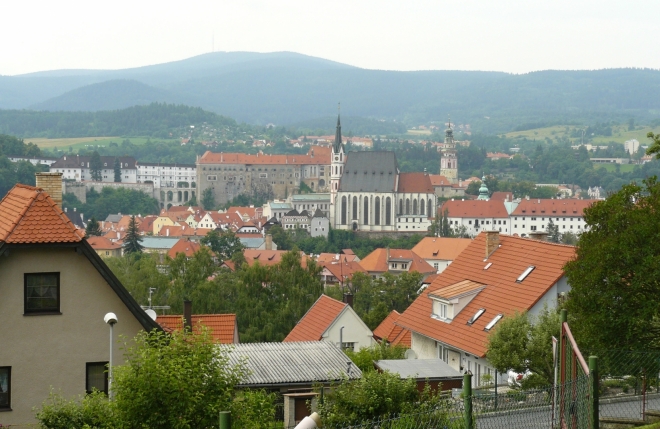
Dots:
{"x": 506, "y": 35}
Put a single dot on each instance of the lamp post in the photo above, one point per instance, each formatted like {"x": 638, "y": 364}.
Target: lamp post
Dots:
{"x": 110, "y": 319}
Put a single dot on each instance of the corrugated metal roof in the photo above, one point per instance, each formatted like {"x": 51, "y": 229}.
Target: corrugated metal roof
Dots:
{"x": 419, "y": 368}
{"x": 159, "y": 242}
{"x": 296, "y": 362}
{"x": 251, "y": 243}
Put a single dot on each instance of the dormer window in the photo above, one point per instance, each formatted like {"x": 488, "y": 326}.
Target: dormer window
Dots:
{"x": 441, "y": 310}
{"x": 493, "y": 322}
{"x": 476, "y": 316}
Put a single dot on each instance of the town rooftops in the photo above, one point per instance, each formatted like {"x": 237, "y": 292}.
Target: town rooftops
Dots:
{"x": 102, "y": 243}
{"x": 369, "y": 172}
{"x": 378, "y": 261}
{"x": 551, "y": 207}
{"x": 439, "y": 180}
{"x": 107, "y": 162}
{"x": 29, "y": 215}
{"x": 185, "y": 246}
{"x": 498, "y": 269}
{"x": 441, "y": 248}
{"x": 415, "y": 182}
{"x": 317, "y": 320}
{"x": 222, "y": 327}
{"x": 273, "y": 364}
{"x": 316, "y": 155}
{"x": 475, "y": 209}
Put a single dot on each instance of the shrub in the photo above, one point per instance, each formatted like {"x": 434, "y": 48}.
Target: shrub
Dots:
{"x": 92, "y": 411}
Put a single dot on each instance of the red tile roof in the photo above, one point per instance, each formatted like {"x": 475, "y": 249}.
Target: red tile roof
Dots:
{"x": 29, "y": 215}
{"x": 415, "y": 182}
{"x": 268, "y": 257}
{"x": 377, "y": 261}
{"x": 394, "y": 334}
{"x": 334, "y": 257}
{"x": 501, "y": 294}
{"x": 321, "y": 155}
{"x": 475, "y": 209}
{"x": 439, "y": 180}
{"x": 551, "y": 207}
{"x": 385, "y": 327}
{"x": 317, "y": 320}
{"x": 441, "y": 248}
{"x": 345, "y": 269}
{"x": 188, "y": 248}
{"x": 223, "y": 327}
{"x": 400, "y": 336}
{"x": 502, "y": 196}
{"x": 102, "y": 243}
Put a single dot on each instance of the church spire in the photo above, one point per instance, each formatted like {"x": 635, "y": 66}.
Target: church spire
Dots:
{"x": 337, "y": 145}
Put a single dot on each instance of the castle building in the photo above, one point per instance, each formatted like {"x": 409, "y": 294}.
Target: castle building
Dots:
{"x": 449, "y": 159}
{"x": 369, "y": 193}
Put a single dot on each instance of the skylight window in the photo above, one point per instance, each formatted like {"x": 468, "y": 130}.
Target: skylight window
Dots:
{"x": 488, "y": 265}
{"x": 525, "y": 273}
{"x": 476, "y": 316}
{"x": 493, "y": 322}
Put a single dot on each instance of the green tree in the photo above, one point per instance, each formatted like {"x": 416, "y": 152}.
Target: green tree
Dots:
{"x": 95, "y": 167}
{"x": 93, "y": 228}
{"x": 366, "y": 356}
{"x": 208, "y": 199}
{"x": 188, "y": 273}
{"x": 553, "y": 232}
{"x": 224, "y": 244}
{"x": 281, "y": 237}
{"x": 132, "y": 240}
{"x": 117, "y": 168}
{"x": 615, "y": 277}
{"x": 140, "y": 275}
{"x": 521, "y": 344}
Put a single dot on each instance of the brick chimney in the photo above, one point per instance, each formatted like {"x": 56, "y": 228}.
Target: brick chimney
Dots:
{"x": 348, "y": 299}
{"x": 539, "y": 235}
{"x": 269, "y": 242}
{"x": 52, "y": 184}
{"x": 492, "y": 242}
{"x": 187, "y": 315}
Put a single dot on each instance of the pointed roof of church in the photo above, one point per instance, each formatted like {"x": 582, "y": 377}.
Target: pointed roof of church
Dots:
{"x": 29, "y": 215}
{"x": 337, "y": 145}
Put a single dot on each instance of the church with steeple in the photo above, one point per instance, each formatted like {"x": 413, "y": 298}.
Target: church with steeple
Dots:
{"x": 369, "y": 193}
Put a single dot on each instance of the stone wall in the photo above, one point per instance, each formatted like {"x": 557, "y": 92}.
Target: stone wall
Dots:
{"x": 392, "y": 234}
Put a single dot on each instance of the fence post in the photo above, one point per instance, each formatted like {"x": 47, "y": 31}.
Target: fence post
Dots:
{"x": 593, "y": 392}
{"x": 224, "y": 421}
{"x": 467, "y": 399}
{"x": 563, "y": 317}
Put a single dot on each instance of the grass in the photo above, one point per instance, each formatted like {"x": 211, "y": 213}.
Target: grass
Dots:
{"x": 620, "y": 134}
{"x": 420, "y": 132}
{"x": 82, "y": 142}
{"x": 625, "y": 168}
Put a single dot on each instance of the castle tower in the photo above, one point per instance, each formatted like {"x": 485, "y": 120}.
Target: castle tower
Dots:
{"x": 449, "y": 160}
{"x": 336, "y": 168}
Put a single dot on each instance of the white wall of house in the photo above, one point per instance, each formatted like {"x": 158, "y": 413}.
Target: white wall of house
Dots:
{"x": 439, "y": 264}
{"x": 550, "y": 299}
{"x": 355, "y": 331}
{"x": 527, "y": 224}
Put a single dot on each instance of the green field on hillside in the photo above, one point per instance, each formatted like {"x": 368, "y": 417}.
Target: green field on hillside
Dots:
{"x": 619, "y": 135}
{"x": 624, "y": 168}
{"x": 77, "y": 143}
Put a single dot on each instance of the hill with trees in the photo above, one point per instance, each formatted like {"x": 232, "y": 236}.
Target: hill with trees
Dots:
{"x": 288, "y": 88}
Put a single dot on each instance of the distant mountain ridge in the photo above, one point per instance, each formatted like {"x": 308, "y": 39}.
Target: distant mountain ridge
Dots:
{"x": 287, "y": 88}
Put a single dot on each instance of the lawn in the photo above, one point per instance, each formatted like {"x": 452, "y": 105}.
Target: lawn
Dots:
{"x": 83, "y": 142}
{"x": 625, "y": 168}
{"x": 619, "y": 135}
{"x": 420, "y": 132}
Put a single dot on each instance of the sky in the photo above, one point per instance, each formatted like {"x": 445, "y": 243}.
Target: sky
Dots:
{"x": 516, "y": 36}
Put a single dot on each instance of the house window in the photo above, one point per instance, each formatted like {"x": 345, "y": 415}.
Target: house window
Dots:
{"x": 436, "y": 266}
{"x": 348, "y": 346}
{"x": 5, "y": 387}
{"x": 442, "y": 311}
{"x": 42, "y": 293}
{"x": 96, "y": 377}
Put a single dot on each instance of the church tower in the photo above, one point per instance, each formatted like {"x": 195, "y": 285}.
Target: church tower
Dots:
{"x": 449, "y": 160}
{"x": 336, "y": 168}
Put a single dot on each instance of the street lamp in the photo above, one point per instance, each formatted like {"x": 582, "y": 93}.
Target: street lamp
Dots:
{"x": 110, "y": 319}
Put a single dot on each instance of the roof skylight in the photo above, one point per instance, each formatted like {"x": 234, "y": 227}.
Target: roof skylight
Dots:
{"x": 476, "y": 316}
{"x": 525, "y": 273}
{"x": 493, "y": 322}
{"x": 488, "y": 265}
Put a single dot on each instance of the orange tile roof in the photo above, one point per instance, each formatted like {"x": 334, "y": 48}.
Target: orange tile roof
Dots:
{"x": 321, "y": 155}
{"x": 385, "y": 327}
{"x": 400, "y": 337}
{"x": 502, "y": 196}
{"x": 442, "y": 248}
{"x": 330, "y": 257}
{"x": 317, "y": 320}
{"x": 475, "y": 208}
{"x": 502, "y": 294}
{"x": 102, "y": 243}
{"x": 29, "y": 215}
{"x": 551, "y": 207}
{"x": 439, "y": 180}
{"x": 223, "y": 327}
{"x": 377, "y": 261}
{"x": 188, "y": 248}
{"x": 415, "y": 182}
{"x": 345, "y": 269}
{"x": 147, "y": 224}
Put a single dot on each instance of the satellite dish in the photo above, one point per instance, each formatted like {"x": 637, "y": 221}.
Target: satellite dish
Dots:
{"x": 151, "y": 313}
{"x": 410, "y": 354}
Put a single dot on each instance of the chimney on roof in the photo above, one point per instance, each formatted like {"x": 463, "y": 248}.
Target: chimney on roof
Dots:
{"x": 539, "y": 235}
{"x": 187, "y": 315}
{"x": 52, "y": 184}
{"x": 348, "y": 299}
{"x": 492, "y": 242}
{"x": 269, "y": 242}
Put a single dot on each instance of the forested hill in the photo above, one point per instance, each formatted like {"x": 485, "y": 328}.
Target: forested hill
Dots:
{"x": 286, "y": 88}
{"x": 152, "y": 120}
